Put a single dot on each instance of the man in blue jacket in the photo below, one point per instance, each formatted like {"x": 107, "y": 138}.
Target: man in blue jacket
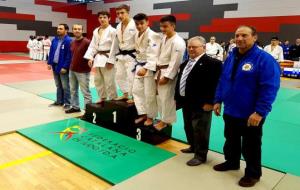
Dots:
{"x": 59, "y": 61}
{"x": 247, "y": 87}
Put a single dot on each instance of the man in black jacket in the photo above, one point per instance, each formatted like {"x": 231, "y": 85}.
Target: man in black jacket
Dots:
{"x": 195, "y": 91}
{"x": 295, "y": 51}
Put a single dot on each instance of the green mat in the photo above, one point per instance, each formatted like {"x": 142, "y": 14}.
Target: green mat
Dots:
{"x": 281, "y": 140}
{"x": 109, "y": 155}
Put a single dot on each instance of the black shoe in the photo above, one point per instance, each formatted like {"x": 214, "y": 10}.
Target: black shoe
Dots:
{"x": 225, "y": 167}
{"x": 248, "y": 181}
{"x": 187, "y": 150}
{"x": 55, "y": 104}
{"x": 196, "y": 161}
{"x": 67, "y": 107}
{"x": 72, "y": 110}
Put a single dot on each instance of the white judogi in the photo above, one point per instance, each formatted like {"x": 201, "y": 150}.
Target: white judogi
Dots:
{"x": 104, "y": 78}
{"x": 124, "y": 63}
{"x": 231, "y": 47}
{"x": 46, "y": 45}
{"x": 214, "y": 50}
{"x": 35, "y": 49}
{"x": 144, "y": 88}
{"x": 39, "y": 50}
{"x": 30, "y": 48}
{"x": 277, "y": 52}
{"x": 171, "y": 54}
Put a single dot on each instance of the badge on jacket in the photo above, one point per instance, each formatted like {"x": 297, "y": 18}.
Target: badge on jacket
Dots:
{"x": 247, "y": 67}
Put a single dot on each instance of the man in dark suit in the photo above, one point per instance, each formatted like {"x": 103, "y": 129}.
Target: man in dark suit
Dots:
{"x": 195, "y": 91}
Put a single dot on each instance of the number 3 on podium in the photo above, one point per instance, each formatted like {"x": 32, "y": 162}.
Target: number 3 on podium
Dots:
{"x": 139, "y": 134}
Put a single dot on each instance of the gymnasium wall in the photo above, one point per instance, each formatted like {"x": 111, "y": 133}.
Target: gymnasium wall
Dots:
{"x": 21, "y": 18}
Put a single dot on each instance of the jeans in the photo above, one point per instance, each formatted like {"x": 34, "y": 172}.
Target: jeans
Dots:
{"x": 62, "y": 88}
{"x": 82, "y": 80}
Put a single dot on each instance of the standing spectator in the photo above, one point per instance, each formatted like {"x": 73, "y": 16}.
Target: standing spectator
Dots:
{"x": 79, "y": 70}
{"x": 46, "y": 45}
{"x": 59, "y": 61}
{"x": 248, "y": 86}
{"x": 214, "y": 50}
{"x": 286, "y": 50}
{"x": 295, "y": 51}
{"x": 30, "y": 47}
{"x": 195, "y": 91}
{"x": 275, "y": 49}
{"x": 35, "y": 48}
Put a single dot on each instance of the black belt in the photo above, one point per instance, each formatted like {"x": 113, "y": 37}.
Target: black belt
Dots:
{"x": 127, "y": 52}
{"x": 138, "y": 64}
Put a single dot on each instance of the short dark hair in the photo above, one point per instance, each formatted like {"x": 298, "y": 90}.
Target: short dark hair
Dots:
{"x": 77, "y": 25}
{"x": 168, "y": 18}
{"x": 46, "y": 36}
{"x": 103, "y": 13}
{"x": 252, "y": 28}
{"x": 65, "y": 26}
{"x": 275, "y": 38}
{"x": 140, "y": 16}
{"x": 123, "y": 6}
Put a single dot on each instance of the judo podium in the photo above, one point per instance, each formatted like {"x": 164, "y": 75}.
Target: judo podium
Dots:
{"x": 119, "y": 116}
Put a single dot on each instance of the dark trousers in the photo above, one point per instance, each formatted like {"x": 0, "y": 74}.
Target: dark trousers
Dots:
{"x": 197, "y": 129}
{"x": 241, "y": 139}
{"x": 62, "y": 88}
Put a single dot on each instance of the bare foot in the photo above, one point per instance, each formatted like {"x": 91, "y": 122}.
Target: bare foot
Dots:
{"x": 160, "y": 126}
{"x": 140, "y": 119}
{"x": 124, "y": 97}
{"x": 130, "y": 101}
{"x": 148, "y": 122}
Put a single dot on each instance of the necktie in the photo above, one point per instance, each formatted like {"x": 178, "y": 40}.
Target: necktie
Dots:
{"x": 184, "y": 76}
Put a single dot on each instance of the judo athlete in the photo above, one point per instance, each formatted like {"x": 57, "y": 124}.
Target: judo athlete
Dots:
{"x": 213, "y": 49}
{"x": 98, "y": 53}
{"x": 122, "y": 52}
{"x": 172, "y": 49}
{"x": 30, "y": 46}
{"x": 46, "y": 45}
{"x": 144, "y": 86}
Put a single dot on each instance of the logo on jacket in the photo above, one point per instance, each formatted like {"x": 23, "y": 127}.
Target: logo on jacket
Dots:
{"x": 247, "y": 67}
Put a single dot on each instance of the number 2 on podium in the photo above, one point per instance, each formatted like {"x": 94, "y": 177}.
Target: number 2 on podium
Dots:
{"x": 94, "y": 117}
{"x": 115, "y": 117}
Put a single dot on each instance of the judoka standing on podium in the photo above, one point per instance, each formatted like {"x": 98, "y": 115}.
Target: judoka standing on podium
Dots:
{"x": 97, "y": 54}
{"x": 171, "y": 54}
{"x": 144, "y": 87}
{"x": 122, "y": 52}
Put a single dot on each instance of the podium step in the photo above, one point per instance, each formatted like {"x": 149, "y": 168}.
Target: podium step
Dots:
{"x": 119, "y": 116}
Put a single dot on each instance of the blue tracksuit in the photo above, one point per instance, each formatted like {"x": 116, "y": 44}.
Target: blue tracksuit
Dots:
{"x": 254, "y": 86}
{"x": 64, "y": 54}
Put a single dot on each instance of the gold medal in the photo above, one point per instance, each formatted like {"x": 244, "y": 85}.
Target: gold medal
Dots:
{"x": 137, "y": 51}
